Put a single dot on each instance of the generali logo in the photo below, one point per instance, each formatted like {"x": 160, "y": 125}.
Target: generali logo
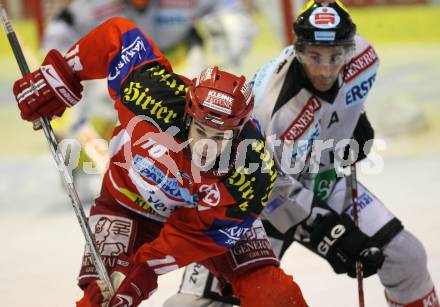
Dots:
{"x": 360, "y": 63}
{"x": 303, "y": 121}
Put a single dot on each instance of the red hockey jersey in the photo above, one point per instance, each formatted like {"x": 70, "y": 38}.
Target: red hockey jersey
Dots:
{"x": 150, "y": 171}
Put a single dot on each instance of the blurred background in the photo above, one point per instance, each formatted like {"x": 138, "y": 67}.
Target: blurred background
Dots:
{"x": 41, "y": 241}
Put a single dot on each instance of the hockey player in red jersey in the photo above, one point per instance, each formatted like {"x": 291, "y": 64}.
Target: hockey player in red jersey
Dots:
{"x": 172, "y": 25}
{"x": 163, "y": 204}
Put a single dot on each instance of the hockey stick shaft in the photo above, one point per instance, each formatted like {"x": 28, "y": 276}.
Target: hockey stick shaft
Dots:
{"x": 59, "y": 158}
{"x": 355, "y": 201}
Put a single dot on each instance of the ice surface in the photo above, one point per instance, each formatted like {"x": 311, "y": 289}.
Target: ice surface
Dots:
{"x": 42, "y": 242}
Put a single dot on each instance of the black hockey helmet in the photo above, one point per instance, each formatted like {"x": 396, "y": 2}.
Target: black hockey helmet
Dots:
{"x": 325, "y": 24}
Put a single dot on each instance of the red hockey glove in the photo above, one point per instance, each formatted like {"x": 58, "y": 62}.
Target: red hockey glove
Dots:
{"x": 140, "y": 282}
{"x": 133, "y": 283}
{"x": 48, "y": 90}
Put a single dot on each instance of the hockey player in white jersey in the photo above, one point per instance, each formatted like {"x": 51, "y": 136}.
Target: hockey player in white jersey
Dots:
{"x": 310, "y": 99}
{"x": 168, "y": 23}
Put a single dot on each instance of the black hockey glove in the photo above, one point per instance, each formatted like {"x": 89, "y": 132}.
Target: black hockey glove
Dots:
{"x": 338, "y": 240}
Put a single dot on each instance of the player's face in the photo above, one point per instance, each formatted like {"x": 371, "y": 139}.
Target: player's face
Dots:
{"x": 323, "y": 64}
{"x": 207, "y": 143}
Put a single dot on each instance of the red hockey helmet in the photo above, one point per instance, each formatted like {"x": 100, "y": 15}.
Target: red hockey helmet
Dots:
{"x": 219, "y": 100}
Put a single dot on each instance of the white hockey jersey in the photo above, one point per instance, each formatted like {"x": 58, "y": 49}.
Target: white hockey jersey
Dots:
{"x": 291, "y": 112}
{"x": 166, "y": 22}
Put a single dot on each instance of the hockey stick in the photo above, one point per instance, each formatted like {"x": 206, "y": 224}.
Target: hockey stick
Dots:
{"x": 354, "y": 198}
{"x": 59, "y": 158}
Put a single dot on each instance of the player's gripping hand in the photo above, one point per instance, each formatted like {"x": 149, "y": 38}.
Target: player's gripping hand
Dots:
{"x": 133, "y": 283}
{"x": 48, "y": 90}
{"x": 338, "y": 240}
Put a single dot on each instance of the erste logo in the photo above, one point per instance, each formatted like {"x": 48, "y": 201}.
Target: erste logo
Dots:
{"x": 324, "y": 18}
